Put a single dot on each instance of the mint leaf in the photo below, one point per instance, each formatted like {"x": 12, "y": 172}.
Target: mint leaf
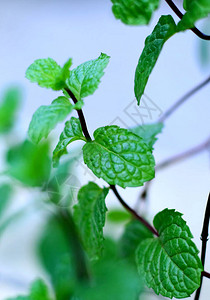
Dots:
{"x": 47, "y": 73}
{"x": 71, "y": 133}
{"x": 8, "y": 109}
{"x": 84, "y": 80}
{"x": 5, "y": 197}
{"x": 134, "y": 233}
{"x": 164, "y": 29}
{"x": 195, "y": 10}
{"x": 119, "y": 157}
{"x": 118, "y": 216}
{"x": 89, "y": 215}
{"x": 38, "y": 291}
{"x": 170, "y": 263}
{"x": 148, "y": 132}
{"x": 134, "y": 12}
{"x": 47, "y": 117}
{"x": 29, "y": 163}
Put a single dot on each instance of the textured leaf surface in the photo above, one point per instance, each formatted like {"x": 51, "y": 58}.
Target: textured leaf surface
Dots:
{"x": 134, "y": 12}
{"x": 119, "y": 157}
{"x": 165, "y": 28}
{"x": 170, "y": 263}
{"x": 47, "y": 117}
{"x": 29, "y": 163}
{"x": 8, "y": 109}
{"x": 148, "y": 132}
{"x": 71, "y": 133}
{"x": 195, "y": 10}
{"x": 84, "y": 80}
{"x": 47, "y": 73}
{"x": 90, "y": 214}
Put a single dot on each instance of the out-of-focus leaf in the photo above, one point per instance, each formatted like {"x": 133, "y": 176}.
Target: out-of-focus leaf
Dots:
{"x": 8, "y": 109}
{"x": 117, "y": 216}
{"x": 29, "y": 163}
{"x": 5, "y": 197}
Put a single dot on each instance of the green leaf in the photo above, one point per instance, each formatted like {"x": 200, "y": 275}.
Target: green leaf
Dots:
{"x": 148, "y": 132}
{"x": 38, "y": 291}
{"x": 134, "y": 12}
{"x": 29, "y": 163}
{"x": 72, "y": 132}
{"x": 8, "y": 109}
{"x": 134, "y": 233}
{"x": 47, "y": 117}
{"x": 84, "y": 79}
{"x": 118, "y": 216}
{"x": 57, "y": 259}
{"x": 89, "y": 215}
{"x": 47, "y": 73}
{"x": 165, "y": 28}
{"x": 195, "y": 10}
{"x": 119, "y": 157}
{"x": 5, "y": 197}
{"x": 170, "y": 263}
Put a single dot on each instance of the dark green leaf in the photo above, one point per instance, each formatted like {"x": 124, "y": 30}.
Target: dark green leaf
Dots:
{"x": 71, "y": 133}
{"x": 89, "y": 215}
{"x": 134, "y": 12}
{"x": 47, "y": 117}
{"x": 165, "y": 28}
{"x": 84, "y": 79}
{"x": 119, "y": 157}
{"x": 170, "y": 263}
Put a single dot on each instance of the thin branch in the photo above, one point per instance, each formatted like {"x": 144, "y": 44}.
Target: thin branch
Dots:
{"x": 80, "y": 115}
{"x": 206, "y": 274}
{"x": 204, "y": 238}
{"x": 180, "y": 15}
{"x": 142, "y": 220}
{"x": 183, "y": 99}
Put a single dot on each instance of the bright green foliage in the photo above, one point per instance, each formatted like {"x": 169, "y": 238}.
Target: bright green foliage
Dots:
{"x": 47, "y": 73}
{"x": 165, "y": 28}
{"x": 90, "y": 214}
{"x": 195, "y": 10}
{"x": 170, "y": 263}
{"x": 148, "y": 132}
{"x": 84, "y": 80}
{"x": 47, "y": 117}
{"x": 8, "y": 109}
{"x": 38, "y": 291}
{"x": 119, "y": 157}
{"x": 28, "y": 163}
{"x": 57, "y": 259}
{"x": 118, "y": 216}
{"x": 134, "y": 233}
{"x": 71, "y": 133}
{"x": 134, "y": 12}
{"x": 5, "y": 197}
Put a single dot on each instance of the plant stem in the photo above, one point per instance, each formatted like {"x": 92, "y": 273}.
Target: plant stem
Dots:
{"x": 204, "y": 238}
{"x": 183, "y": 99}
{"x": 180, "y": 15}
{"x": 142, "y": 220}
{"x": 80, "y": 115}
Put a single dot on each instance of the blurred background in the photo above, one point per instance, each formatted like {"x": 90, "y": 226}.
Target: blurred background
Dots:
{"x": 82, "y": 30}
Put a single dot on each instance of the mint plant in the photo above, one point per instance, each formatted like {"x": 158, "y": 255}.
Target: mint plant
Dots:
{"x": 81, "y": 263}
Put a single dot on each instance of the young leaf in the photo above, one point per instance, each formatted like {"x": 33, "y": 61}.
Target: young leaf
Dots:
{"x": 47, "y": 117}
{"x": 8, "y": 109}
{"x": 119, "y": 157}
{"x": 89, "y": 214}
{"x": 71, "y": 133}
{"x": 165, "y": 28}
{"x": 29, "y": 163}
{"x": 134, "y": 233}
{"x": 148, "y": 132}
{"x": 170, "y": 263}
{"x": 195, "y": 10}
{"x": 134, "y": 12}
{"x": 38, "y": 291}
{"x": 47, "y": 73}
{"x": 84, "y": 80}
